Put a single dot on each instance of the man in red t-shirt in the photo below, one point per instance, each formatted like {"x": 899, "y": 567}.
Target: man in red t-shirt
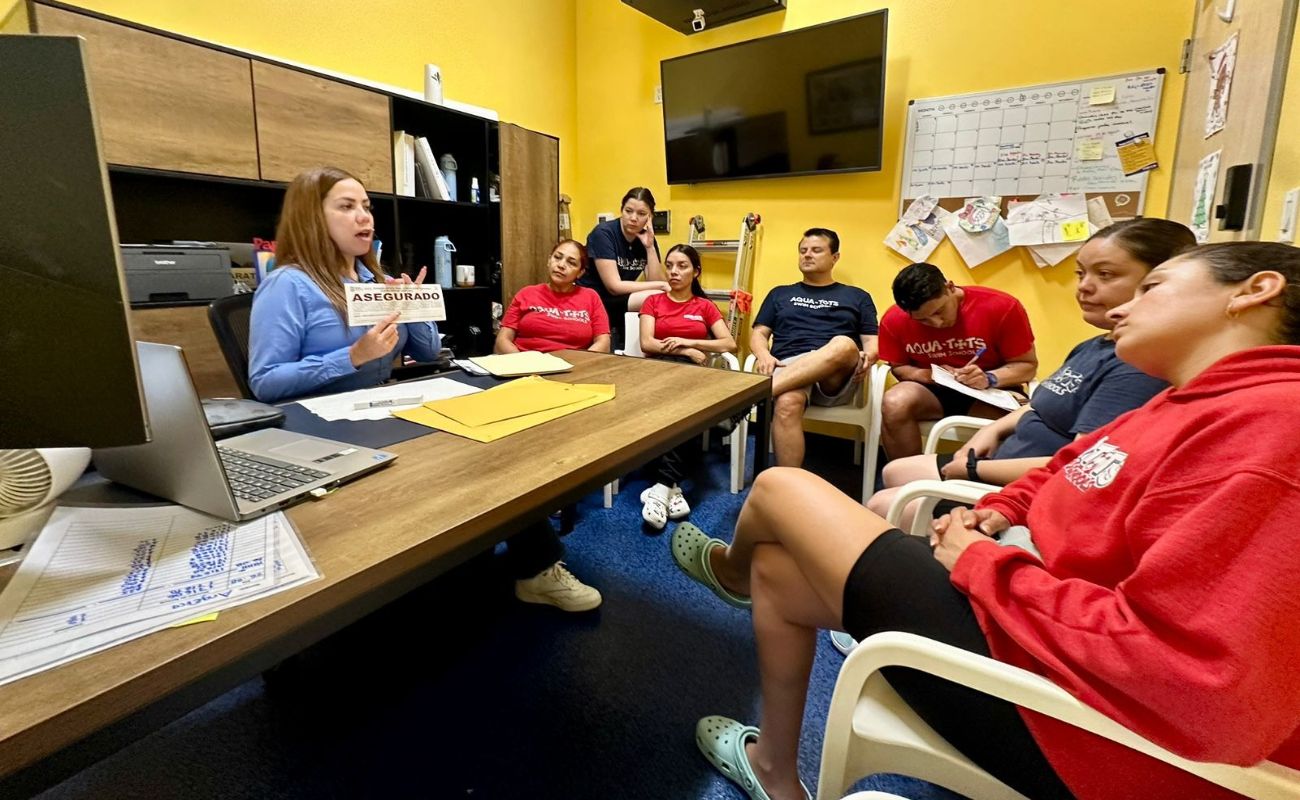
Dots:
{"x": 981, "y": 335}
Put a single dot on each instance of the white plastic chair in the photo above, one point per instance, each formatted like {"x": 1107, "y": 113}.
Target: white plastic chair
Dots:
{"x": 869, "y": 729}
{"x": 738, "y": 437}
{"x": 863, "y": 414}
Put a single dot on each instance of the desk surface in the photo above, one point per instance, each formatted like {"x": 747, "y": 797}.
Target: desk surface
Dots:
{"x": 395, "y": 528}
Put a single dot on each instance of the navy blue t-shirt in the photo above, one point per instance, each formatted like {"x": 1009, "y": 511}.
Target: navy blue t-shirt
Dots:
{"x": 606, "y": 241}
{"x": 1091, "y": 389}
{"x": 804, "y": 318}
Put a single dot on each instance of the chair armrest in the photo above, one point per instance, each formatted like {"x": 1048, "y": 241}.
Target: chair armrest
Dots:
{"x": 749, "y": 363}
{"x": 949, "y": 424}
{"x": 930, "y": 493}
{"x": 731, "y": 361}
{"x": 1036, "y": 693}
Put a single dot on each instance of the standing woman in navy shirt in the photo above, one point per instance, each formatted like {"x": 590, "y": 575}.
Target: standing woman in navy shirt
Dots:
{"x": 299, "y": 339}
{"x": 621, "y": 250}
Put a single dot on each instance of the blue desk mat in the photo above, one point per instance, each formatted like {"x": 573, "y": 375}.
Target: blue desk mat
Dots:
{"x": 376, "y": 433}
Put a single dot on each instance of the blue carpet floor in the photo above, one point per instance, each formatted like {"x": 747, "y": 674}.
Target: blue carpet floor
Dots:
{"x": 459, "y": 691}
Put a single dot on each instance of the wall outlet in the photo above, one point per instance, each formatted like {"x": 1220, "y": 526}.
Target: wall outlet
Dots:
{"x": 1286, "y": 229}
{"x": 659, "y": 93}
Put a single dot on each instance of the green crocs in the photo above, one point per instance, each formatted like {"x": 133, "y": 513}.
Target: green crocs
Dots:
{"x": 691, "y": 547}
{"x": 722, "y": 741}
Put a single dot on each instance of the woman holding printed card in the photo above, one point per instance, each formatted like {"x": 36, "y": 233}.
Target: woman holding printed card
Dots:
{"x": 299, "y": 339}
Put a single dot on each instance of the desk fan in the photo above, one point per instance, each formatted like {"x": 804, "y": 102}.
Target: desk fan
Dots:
{"x": 30, "y": 480}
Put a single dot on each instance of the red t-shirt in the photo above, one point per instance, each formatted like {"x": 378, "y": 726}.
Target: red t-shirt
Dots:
{"x": 986, "y": 318}
{"x": 689, "y": 320}
{"x": 544, "y": 320}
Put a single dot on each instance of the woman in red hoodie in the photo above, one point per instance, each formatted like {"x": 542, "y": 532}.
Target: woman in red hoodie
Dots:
{"x": 1166, "y": 591}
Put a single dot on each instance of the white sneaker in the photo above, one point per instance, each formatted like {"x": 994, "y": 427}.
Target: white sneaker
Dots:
{"x": 556, "y": 586}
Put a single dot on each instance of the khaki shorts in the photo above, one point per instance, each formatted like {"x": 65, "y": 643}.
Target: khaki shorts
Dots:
{"x": 815, "y": 394}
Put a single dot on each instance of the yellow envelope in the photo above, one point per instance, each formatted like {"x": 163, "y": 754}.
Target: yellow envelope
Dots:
{"x": 528, "y": 362}
{"x": 515, "y": 399}
{"x": 598, "y": 393}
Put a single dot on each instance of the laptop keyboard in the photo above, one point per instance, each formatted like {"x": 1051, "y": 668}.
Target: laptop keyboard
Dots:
{"x": 256, "y": 478}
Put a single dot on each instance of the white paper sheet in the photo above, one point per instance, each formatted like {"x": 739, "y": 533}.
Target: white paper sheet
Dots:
{"x": 1207, "y": 181}
{"x": 918, "y": 240}
{"x": 1048, "y": 219}
{"x": 1223, "y": 62}
{"x": 96, "y": 577}
{"x": 369, "y": 303}
{"x": 994, "y": 397}
{"x": 381, "y": 401}
{"x": 977, "y": 246}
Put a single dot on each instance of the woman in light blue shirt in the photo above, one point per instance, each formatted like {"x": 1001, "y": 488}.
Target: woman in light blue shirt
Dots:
{"x": 299, "y": 339}
{"x": 300, "y": 342}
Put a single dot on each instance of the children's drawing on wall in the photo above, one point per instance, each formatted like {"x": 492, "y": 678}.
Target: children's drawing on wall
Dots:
{"x": 1223, "y": 60}
{"x": 1049, "y": 219}
{"x": 1207, "y": 178}
{"x": 916, "y": 237}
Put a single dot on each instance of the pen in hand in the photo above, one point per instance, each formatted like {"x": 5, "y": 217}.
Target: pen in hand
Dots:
{"x": 976, "y": 357}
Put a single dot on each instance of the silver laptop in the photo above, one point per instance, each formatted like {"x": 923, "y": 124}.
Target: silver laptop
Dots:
{"x": 237, "y": 478}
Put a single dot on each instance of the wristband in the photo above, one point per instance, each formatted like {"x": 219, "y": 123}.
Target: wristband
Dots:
{"x": 972, "y": 466}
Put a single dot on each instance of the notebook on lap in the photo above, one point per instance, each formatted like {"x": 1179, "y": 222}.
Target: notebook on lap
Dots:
{"x": 238, "y": 478}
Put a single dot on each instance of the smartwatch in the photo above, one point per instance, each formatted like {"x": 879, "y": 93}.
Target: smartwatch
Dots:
{"x": 972, "y": 466}
{"x": 991, "y": 378}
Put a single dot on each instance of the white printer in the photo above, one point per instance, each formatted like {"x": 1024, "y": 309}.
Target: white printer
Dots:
{"x": 171, "y": 273}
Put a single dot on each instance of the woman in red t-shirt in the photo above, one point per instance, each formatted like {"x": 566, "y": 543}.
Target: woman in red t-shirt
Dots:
{"x": 558, "y": 315}
{"x": 681, "y": 325}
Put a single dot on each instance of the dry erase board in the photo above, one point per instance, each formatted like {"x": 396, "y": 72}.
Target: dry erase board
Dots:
{"x": 1020, "y": 143}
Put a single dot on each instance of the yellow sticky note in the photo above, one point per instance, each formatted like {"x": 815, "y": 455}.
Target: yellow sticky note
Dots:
{"x": 1074, "y": 230}
{"x": 1089, "y": 150}
{"x": 1101, "y": 95}
{"x": 205, "y": 618}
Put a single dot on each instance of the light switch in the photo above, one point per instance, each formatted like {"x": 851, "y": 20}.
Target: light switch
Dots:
{"x": 1286, "y": 229}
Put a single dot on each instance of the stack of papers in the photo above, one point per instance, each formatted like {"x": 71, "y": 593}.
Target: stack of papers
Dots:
{"x": 98, "y": 577}
{"x": 509, "y": 408}
{"x": 527, "y": 362}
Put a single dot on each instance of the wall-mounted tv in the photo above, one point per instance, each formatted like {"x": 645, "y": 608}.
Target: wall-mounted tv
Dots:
{"x": 798, "y": 103}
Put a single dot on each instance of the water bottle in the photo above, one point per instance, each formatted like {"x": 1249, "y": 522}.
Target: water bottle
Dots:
{"x": 448, "y": 165}
{"x": 442, "y": 250}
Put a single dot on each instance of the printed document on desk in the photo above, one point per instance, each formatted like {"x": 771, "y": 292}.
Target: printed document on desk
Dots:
{"x": 381, "y": 401}
{"x": 97, "y": 577}
{"x": 526, "y": 362}
{"x": 994, "y": 397}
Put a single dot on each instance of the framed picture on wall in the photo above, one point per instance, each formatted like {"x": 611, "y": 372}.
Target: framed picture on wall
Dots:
{"x": 844, "y": 97}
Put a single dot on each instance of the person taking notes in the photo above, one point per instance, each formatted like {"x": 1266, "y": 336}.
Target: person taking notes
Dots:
{"x": 982, "y": 335}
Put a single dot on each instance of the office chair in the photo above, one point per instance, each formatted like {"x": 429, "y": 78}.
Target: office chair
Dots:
{"x": 229, "y": 318}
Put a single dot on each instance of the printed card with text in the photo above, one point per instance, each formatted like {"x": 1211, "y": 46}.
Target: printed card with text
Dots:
{"x": 368, "y": 303}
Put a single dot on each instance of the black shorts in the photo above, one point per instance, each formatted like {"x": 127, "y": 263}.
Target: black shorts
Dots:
{"x": 897, "y": 585}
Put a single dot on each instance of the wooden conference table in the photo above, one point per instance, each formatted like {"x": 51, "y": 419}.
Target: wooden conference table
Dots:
{"x": 444, "y": 500}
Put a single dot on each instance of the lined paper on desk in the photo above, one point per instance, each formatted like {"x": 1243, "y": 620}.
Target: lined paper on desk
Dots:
{"x": 96, "y": 577}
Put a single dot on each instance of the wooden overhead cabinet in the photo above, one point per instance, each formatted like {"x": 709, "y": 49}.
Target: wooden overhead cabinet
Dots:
{"x": 164, "y": 103}
{"x": 530, "y": 194}
{"x": 305, "y": 120}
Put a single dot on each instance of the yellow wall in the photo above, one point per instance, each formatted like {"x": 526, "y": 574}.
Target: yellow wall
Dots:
{"x": 1285, "y": 174}
{"x": 13, "y": 17}
{"x": 514, "y": 56}
{"x": 936, "y": 47}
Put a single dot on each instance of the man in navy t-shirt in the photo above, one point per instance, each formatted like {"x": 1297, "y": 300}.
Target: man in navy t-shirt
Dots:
{"x": 822, "y": 341}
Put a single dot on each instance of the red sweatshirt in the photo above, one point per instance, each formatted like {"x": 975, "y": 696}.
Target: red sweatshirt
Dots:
{"x": 1168, "y": 597}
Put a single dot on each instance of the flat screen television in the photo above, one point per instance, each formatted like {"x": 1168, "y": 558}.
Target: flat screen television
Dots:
{"x": 798, "y": 103}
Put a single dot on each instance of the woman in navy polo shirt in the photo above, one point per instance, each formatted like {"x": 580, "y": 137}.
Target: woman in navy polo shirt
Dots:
{"x": 621, "y": 250}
